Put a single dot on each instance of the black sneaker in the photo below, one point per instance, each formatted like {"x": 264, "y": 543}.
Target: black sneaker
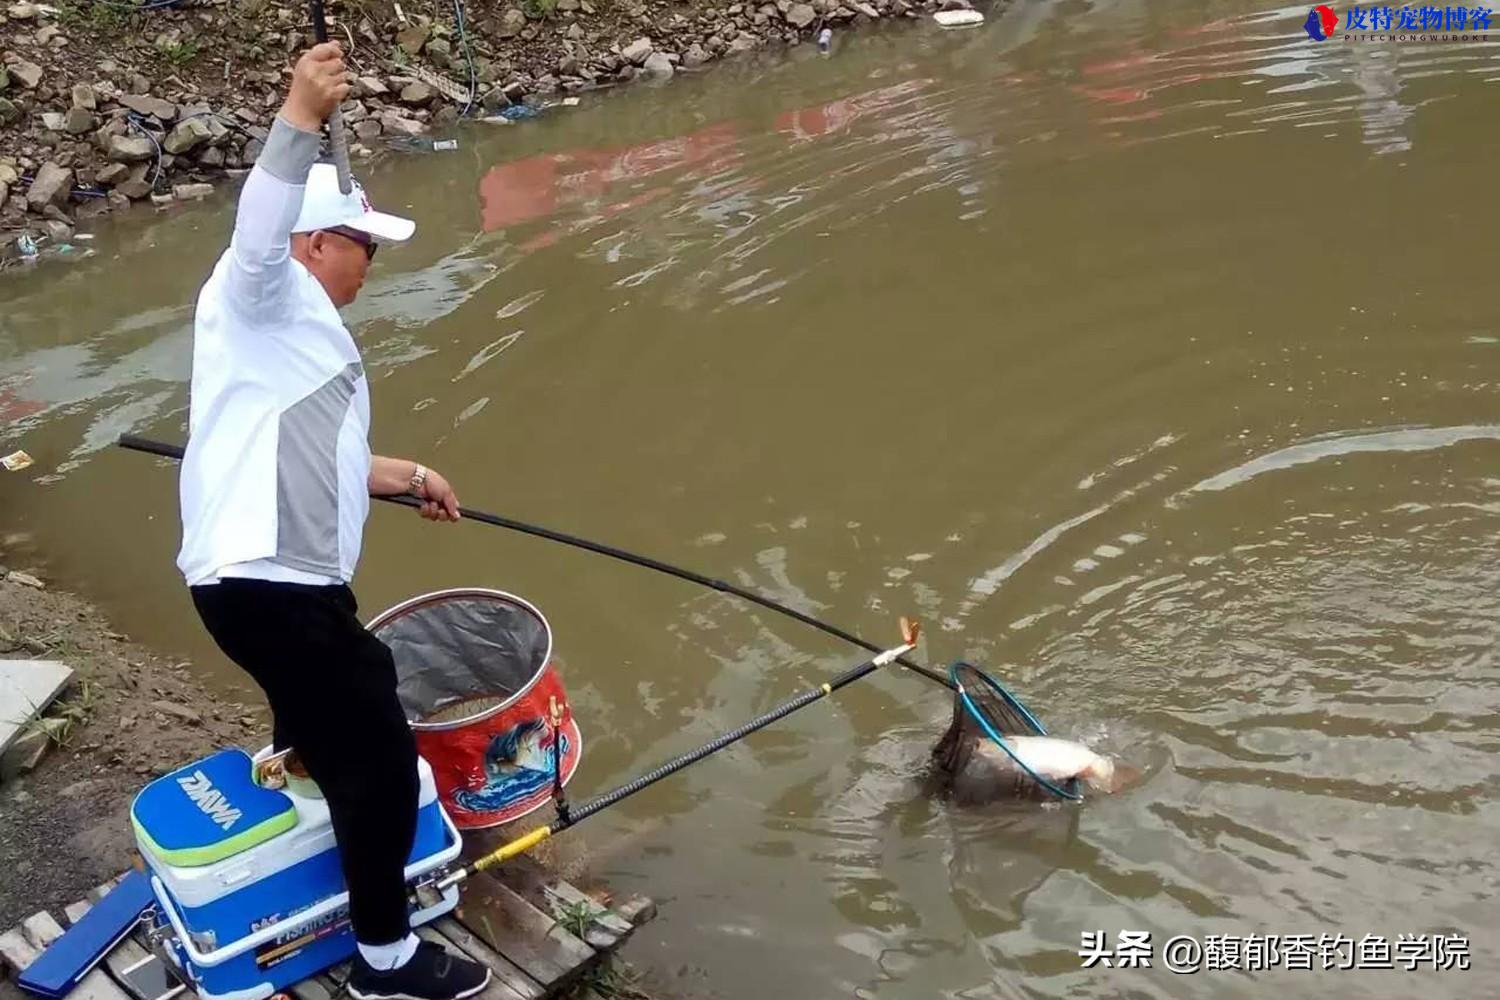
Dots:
{"x": 432, "y": 974}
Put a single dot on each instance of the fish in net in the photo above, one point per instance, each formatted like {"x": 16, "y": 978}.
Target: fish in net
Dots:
{"x": 1006, "y": 716}
{"x": 995, "y": 747}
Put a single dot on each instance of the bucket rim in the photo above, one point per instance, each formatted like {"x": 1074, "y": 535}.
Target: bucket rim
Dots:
{"x": 411, "y": 604}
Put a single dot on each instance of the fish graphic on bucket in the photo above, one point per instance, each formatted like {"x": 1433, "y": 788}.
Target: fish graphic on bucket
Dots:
{"x": 475, "y": 675}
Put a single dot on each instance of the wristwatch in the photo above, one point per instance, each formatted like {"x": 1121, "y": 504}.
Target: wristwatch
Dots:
{"x": 418, "y": 480}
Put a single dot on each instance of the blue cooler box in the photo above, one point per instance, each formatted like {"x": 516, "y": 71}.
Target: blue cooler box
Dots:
{"x": 248, "y": 878}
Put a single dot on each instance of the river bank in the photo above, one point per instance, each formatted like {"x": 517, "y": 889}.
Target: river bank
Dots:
{"x": 104, "y": 106}
{"x": 129, "y": 715}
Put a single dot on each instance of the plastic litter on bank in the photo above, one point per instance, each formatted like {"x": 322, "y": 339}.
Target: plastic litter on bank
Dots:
{"x": 15, "y": 461}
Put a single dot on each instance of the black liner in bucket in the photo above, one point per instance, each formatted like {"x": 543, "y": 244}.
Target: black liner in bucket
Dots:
{"x": 462, "y": 655}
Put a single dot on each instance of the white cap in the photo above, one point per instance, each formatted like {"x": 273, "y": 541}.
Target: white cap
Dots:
{"x": 325, "y": 207}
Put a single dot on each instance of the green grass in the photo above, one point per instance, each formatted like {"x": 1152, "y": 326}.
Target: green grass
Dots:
{"x": 74, "y": 710}
{"x": 611, "y": 980}
{"x": 98, "y": 16}
{"x": 575, "y": 917}
{"x": 57, "y": 642}
{"x": 178, "y": 53}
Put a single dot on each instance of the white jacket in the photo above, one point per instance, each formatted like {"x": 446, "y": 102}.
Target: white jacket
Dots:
{"x": 275, "y": 481}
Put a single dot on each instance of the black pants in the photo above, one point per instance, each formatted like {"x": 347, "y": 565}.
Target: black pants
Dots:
{"x": 332, "y": 689}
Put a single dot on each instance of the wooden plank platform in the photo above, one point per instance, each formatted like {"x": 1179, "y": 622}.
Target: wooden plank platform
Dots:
{"x": 539, "y": 935}
{"x": 536, "y": 941}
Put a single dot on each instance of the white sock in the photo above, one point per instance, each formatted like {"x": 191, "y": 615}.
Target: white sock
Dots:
{"x": 385, "y": 957}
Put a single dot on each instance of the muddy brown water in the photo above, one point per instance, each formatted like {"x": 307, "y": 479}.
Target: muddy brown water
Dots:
{"x": 1145, "y": 350}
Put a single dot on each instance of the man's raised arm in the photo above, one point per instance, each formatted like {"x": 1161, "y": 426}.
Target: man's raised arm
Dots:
{"x": 272, "y": 197}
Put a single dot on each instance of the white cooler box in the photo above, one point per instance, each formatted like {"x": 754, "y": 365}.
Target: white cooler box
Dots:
{"x": 248, "y": 878}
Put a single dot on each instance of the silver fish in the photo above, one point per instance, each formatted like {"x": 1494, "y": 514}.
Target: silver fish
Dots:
{"x": 991, "y": 773}
{"x": 974, "y": 769}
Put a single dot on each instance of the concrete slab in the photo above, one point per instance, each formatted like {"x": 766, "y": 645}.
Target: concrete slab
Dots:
{"x": 27, "y": 687}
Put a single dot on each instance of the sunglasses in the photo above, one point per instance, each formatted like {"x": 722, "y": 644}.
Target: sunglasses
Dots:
{"x": 363, "y": 239}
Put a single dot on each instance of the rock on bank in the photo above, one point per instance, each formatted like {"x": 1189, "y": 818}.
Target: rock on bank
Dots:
{"x": 103, "y": 106}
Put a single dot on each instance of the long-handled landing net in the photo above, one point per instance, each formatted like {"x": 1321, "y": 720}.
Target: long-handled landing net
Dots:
{"x": 985, "y": 708}
{"x": 570, "y": 816}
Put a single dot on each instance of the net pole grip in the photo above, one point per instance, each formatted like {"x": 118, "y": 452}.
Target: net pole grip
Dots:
{"x": 337, "y": 141}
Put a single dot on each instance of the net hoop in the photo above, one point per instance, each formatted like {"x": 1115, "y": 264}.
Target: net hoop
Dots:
{"x": 485, "y": 705}
{"x": 1070, "y": 792}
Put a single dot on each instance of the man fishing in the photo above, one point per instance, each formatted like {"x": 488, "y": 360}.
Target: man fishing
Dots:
{"x": 275, "y": 488}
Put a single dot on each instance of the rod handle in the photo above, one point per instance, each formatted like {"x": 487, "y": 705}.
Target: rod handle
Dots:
{"x": 338, "y": 142}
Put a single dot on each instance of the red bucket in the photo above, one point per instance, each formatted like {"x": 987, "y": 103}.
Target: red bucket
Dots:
{"x": 476, "y": 678}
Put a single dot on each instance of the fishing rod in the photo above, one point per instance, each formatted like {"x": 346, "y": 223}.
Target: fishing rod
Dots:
{"x": 338, "y": 142}
{"x": 172, "y": 451}
{"x": 571, "y": 817}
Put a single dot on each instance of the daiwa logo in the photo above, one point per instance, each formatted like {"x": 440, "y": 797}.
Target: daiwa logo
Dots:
{"x": 209, "y": 799}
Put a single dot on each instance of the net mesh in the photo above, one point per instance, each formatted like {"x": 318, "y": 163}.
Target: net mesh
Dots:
{"x": 462, "y": 653}
{"x": 998, "y": 707}
{"x": 454, "y": 711}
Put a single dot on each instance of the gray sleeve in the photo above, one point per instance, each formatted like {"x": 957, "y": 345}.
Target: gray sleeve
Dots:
{"x": 289, "y": 153}
{"x": 258, "y": 281}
